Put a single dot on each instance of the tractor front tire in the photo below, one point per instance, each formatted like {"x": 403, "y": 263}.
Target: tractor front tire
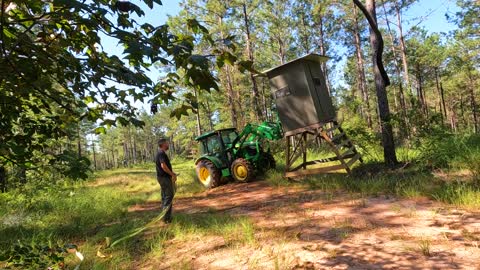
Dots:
{"x": 242, "y": 170}
{"x": 208, "y": 175}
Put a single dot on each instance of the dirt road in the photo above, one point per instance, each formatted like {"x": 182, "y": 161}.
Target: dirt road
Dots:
{"x": 309, "y": 229}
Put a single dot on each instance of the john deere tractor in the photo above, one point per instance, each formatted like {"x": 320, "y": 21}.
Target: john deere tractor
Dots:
{"x": 227, "y": 154}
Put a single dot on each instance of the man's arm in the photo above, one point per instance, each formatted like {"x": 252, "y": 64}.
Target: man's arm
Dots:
{"x": 167, "y": 170}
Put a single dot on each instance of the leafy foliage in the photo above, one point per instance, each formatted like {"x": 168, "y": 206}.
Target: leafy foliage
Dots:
{"x": 34, "y": 256}
{"x": 54, "y": 72}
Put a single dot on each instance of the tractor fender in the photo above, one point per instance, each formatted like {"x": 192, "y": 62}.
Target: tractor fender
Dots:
{"x": 216, "y": 161}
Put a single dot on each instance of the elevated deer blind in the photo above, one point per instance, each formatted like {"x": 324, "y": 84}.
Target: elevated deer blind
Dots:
{"x": 308, "y": 117}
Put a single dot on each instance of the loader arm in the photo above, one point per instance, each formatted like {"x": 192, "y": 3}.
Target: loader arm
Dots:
{"x": 270, "y": 131}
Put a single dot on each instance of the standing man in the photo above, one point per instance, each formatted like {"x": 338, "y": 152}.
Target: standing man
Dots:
{"x": 166, "y": 178}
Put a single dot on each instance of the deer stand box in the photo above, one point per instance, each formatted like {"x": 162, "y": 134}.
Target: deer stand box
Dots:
{"x": 308, "y": 117}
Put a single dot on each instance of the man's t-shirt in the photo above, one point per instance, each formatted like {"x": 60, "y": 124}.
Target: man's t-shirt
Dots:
{"x": 160, "y": 158}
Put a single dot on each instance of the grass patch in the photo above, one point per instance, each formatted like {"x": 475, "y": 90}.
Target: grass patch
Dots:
{"x": 374, "y": 180}
{"x": 459, "y": 194}
{"x": 85, "y": 213}
{"x": 234, "y": 230}
{"x": 425, "y": 247}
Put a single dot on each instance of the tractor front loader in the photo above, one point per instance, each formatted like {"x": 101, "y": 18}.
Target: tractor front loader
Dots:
{"x": 227, "y": 154}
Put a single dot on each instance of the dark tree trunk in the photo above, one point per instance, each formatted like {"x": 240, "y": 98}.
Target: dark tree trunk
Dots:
{"x": 197, "y": 115}
{"x": 3, "y": 179}
{"x": 323, "y": 51}
{"x": 113, "y": 159}
{"x": 420, "y": 92}
{"x": 22, "y": 175}
{"x": 79, "y": 143}
{"x": 381, "y": 81}
{"x": 462, "y": 112}
{"x": 107, "y": 160}
{"x": 442, "y": 96}
{"x": 443, "y": 109}
{"x": 249, "y": 48}
{"x": 265, "y": 110}
{"x": 125, "y": 153}
{"x": 240, "y": 103}
{"x": 134, "y": 149}
{"x": 209, "y": 114}
{"x": 473, "y": 102}
{"x": 94, "y": 156}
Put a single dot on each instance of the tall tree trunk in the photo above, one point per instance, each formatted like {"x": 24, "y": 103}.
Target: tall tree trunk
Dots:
{"x": 22, "y": 175}
{"x": 281, "y": 51}
{"x": 362, "y": 81}
{"x": 209, "y": 114}
{"x": 107, "y": 160}
{"x": 420, "y": 92}
{"x": 403, "y": 49}
{"x": 79, "y": 142}
{"x": 473, "y": 102}
{"x": 125, "y": 153}
{"x": 94, "y": 156}
{"x": 442, "y": 96}
{"x": 134, "y": 148}
{"x": 265, "y": 110}
{"x": 114, "y": 159}
{"x": 146, "y": 151}
{"x": 304, "y": 38}
{"x": 197, "y": 114}
{"x": 453, "y": 119}
{"x": 323, "y": 51}
{"x": 231, "y": 98}
{"x": 240, "y": 103}
{"x": 230, "y": 91}
{"x": 381, "y": 81}
{"x": 398, "y": 72}
{"x": 443, "y": 109}
{"x": 131, "y": 156}
{"x": 3, "y": 179}
{"x": 465, "y": 121}
{"x": 249, "y": 47}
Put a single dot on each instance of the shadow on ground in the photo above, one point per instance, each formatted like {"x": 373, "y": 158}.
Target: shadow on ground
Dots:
{"x": 347, "y": 232}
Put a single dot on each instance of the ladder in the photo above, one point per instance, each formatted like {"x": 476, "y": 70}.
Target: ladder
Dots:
{"x": 299, "y": 141}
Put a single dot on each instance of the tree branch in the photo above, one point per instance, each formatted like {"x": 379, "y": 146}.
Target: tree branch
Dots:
{"x": 374, "y": 27}
{"x": 2, "y": 7}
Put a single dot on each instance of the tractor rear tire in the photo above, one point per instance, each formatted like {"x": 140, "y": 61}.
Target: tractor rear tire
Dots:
{"x": 271, "y": 163}
{"x": 208, "y": 175}
{"x": 242, "y": 170}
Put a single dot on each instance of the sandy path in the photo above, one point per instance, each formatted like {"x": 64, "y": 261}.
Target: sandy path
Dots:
{"x": 300, "y": 229}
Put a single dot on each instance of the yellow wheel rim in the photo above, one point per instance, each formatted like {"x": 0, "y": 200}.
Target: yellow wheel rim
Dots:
{"x": 240, "y": 171}
{"x": 204, "y": 175}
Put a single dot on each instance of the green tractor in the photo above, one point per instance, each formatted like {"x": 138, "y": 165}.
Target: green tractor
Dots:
{"x": 227, "y": 154}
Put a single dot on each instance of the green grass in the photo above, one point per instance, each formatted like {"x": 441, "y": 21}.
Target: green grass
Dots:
{"x": 414, "y": 178}
{"x": 425, "y": 247}
{"x": 85, "y": 213}
{"x": 373, "y": 180}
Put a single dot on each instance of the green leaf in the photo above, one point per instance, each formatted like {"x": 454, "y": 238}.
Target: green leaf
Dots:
{"x": 100, "y": 130}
